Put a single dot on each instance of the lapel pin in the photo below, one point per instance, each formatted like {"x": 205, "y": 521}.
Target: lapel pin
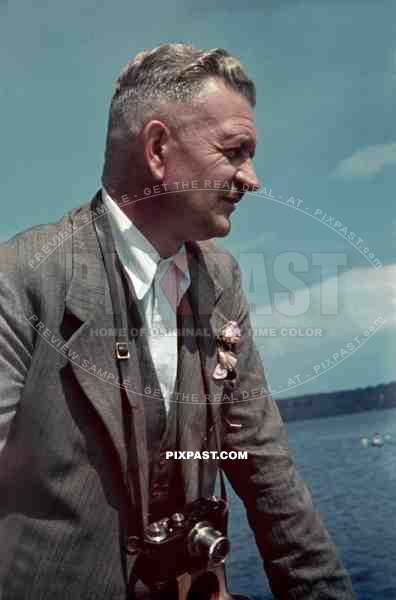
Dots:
{"x": 229, "y": 336}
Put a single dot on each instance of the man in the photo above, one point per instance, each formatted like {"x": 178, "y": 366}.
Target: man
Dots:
{"x": 181, "y": 139}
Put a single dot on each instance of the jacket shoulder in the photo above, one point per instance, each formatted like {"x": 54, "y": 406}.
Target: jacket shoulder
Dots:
{"x": 35, "y": 235}
{"x": 36, "y": 257}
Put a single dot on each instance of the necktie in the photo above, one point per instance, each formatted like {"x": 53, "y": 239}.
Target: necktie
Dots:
{"x": 168, "y": 286}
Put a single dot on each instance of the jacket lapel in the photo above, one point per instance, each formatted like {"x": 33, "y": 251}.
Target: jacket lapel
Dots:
{"x": 93, "y": 364}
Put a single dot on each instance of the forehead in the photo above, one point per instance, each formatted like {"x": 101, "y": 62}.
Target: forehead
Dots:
{"x": 224, "y": 111}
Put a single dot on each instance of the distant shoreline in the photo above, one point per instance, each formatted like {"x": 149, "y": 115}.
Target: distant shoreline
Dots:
{"x": 331, "y": 404}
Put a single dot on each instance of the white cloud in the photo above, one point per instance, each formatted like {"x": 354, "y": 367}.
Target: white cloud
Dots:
{"x": 366, "y": 162}
{"x": 359, "y": 297}
{"x": 364, "y": 294}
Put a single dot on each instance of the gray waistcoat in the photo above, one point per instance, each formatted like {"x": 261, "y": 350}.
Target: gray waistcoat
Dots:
{"x": 161, "y": 432}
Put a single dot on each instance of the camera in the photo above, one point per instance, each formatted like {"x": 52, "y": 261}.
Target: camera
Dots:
{"x": 186, "y": 542}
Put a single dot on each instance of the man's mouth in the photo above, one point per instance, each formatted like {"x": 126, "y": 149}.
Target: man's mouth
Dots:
{"x": 233, "y": 197}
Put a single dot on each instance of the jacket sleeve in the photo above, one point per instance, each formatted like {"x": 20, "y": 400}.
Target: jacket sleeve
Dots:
{"x": 16, "y": 337}
{"x": 298, "y": 555}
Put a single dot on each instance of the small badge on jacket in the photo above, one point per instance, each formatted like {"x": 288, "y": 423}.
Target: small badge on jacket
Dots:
{"x": 227, "y": 340}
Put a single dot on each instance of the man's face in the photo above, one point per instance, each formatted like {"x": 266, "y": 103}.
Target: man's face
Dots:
{"x": 211, "y": 153}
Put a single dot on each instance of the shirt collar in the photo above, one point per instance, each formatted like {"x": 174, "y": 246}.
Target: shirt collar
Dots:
{"x": 138, "y": 255}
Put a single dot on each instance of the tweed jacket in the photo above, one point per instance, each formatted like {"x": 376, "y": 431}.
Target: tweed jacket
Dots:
{"x": 64, "y": 505}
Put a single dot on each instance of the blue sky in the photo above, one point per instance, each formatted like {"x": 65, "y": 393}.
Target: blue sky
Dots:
{"x": 326, "y": 86}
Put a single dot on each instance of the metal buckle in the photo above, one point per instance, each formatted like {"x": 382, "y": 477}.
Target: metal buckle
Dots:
{"x": 121, "y": 351}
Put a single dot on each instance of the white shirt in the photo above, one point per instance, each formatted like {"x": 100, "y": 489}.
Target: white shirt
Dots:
{"x": 146, "y": 270}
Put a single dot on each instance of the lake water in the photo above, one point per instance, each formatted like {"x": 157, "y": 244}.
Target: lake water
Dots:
{"x": 354, "y": 489}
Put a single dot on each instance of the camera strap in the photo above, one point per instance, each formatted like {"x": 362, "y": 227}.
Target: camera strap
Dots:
{"x": 137, "y": 452}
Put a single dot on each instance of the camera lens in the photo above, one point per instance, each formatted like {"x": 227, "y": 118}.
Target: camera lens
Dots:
{"x": 219, "y": 550}
{"x": 208, "y": 543}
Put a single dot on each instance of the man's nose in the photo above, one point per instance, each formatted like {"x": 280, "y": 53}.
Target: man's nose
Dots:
{"x": 246, "y": 177}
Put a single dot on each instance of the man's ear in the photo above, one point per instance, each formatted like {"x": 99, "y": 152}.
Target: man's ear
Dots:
{"x": 156, "y": 137}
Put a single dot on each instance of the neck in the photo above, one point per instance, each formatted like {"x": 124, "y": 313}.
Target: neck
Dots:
{"x": 160, "y": 239}
{"x": 141, "y": 212}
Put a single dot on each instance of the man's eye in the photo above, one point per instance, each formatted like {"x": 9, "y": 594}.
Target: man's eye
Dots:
{"x": 232, "y": 152}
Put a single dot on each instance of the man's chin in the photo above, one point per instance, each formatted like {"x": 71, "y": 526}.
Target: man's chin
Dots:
{"x": 219, "y": 232}
{"x": 221, "y": 226}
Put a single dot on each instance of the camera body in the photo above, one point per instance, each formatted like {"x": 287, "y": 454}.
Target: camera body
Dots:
{"x": 185, "y": 542}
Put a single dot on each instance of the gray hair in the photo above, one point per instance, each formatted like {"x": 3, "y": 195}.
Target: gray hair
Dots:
{"x": 170, "y": 73}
